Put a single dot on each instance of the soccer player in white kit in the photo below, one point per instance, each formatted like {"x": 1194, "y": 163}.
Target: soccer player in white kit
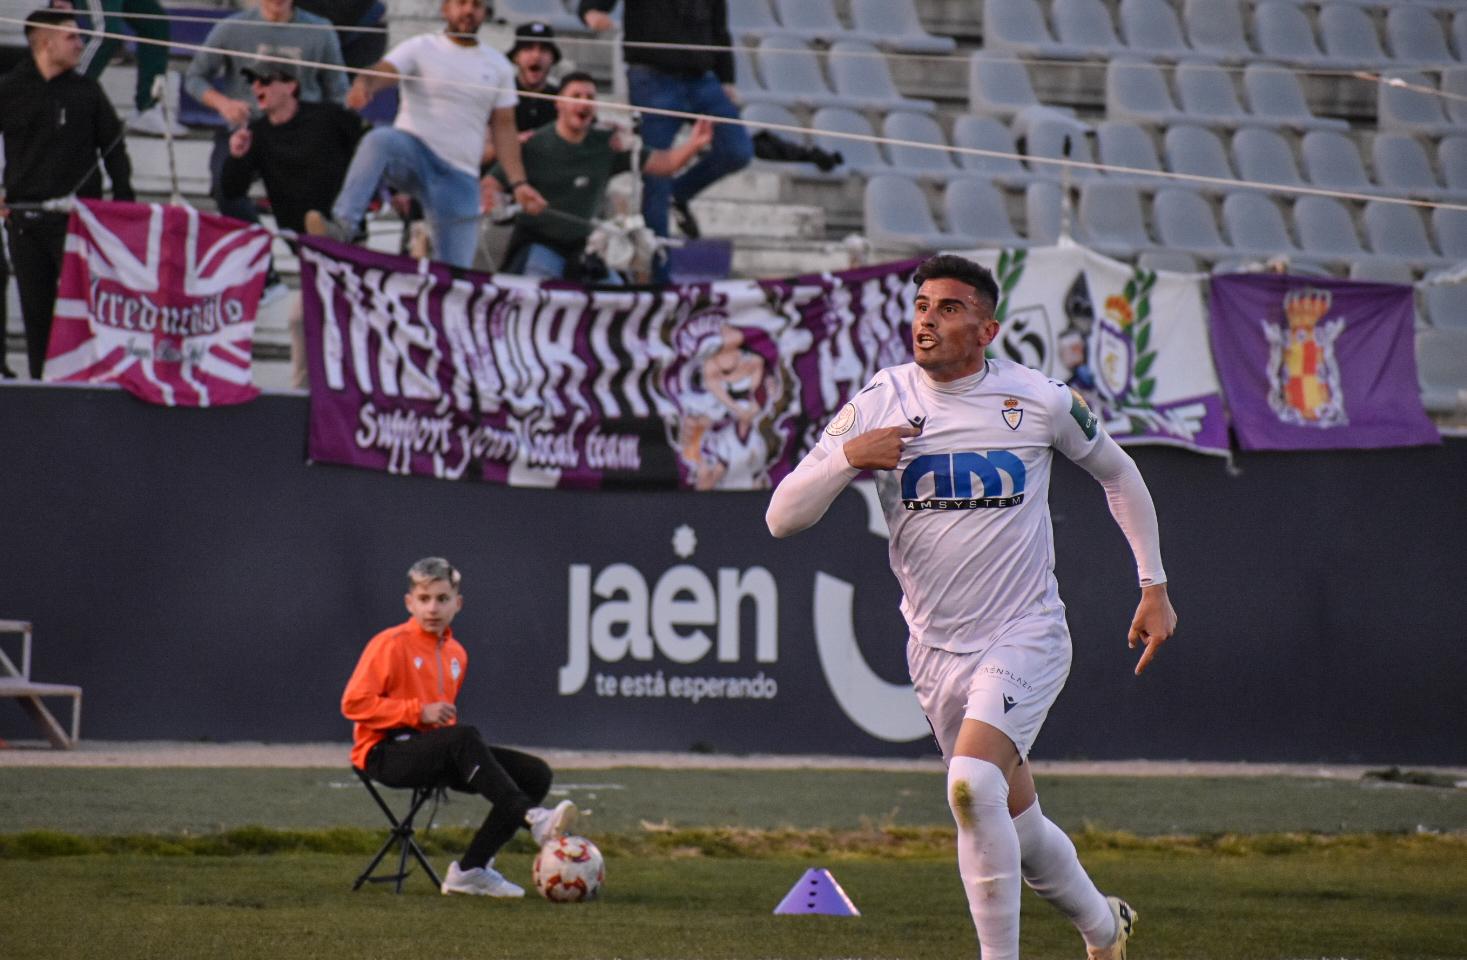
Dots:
{"x": 961, "y": 447}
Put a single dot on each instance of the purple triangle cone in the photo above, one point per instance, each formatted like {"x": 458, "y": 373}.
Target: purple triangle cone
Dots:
{"x": 817, "y": 892}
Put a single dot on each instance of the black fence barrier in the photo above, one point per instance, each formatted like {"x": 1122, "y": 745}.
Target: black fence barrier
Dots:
{"x": 202, "y": 582}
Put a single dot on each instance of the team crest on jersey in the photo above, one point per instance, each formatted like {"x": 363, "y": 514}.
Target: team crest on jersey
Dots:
{"x": 1013, "y": 414}
{"x": 455, "y": 668}
{"x": 843, "y": 421}
{"x": 417, "y": 663}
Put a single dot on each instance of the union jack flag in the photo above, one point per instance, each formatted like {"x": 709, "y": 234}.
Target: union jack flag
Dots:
{"x": 159, "y": 299}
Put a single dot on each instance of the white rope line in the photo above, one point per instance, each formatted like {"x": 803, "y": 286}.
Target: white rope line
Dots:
{"x": 1362, "y": 72}
{"x": 1237, "y": 184}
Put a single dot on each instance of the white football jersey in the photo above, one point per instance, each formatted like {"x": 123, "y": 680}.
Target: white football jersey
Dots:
{"x": 968, "y": 506}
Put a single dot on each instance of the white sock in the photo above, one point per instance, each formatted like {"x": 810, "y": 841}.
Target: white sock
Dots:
{"x": 1052, "y": 869}
{"x": 988, "y": 853}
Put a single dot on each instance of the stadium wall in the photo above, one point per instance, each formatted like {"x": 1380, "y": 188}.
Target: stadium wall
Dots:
{"x": 203, "y": 582}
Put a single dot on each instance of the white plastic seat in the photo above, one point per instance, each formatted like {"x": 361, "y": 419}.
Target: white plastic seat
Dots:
{"x": 1451, "y": 155}
{"x": 976, "y": 208}
{"x": 1441, "y": 368}
{"x": 1206, "y": 94}
{"x": 861, "y": 156}
{"x": 1326, "y": 229}
{"x": 1111, "y": 219}
{"x": 1282, "y": 31}
{"x": 1376, "y": 270}
{"x": 1332, "y": 160}
{"x": 1397, "y": 231}
{"x": 1451, "y": 232}
{"x": 1349, "y": 34}
{"x": 813, "y": 20}
{"x": 1402, "y": 166}
{"x": 1043, "y": 213}
{"x": 1136, "y": 90}
{"x": 751, "y": 18}
{"x": 1411, "y": 108}
{"x": 1128, "y": 145}
{"x": 1167, "y": 261}
{"x": 1415, "y": 36}
{"x": 1454, "y": 95}
{"x": 897, "y": 217}
{"x": 895, "y": 26}
{"x": 750, "y": 89}
{"x": 774, "y": 113}
{"x": 1185, "y": 221}
{"x": 859, "y": 73}
{"x": 1018, "y": 27}
{"x": 998, "y": 85}
{"x": 987, "y": 133}
{"x": 1048, "y": 139}
{"x": 1151, "y": 27}
{"x": 1256, "y": 226}
{"x": 792, "y": 74}
{"x": 1199, "y": 152}
{"x": 1446, "y": 305}
{"x": 1262, "y": 156}
{"x": 918, "y": 162}
{"x": 1215, "y": 29}
{"x": 551, "y": 12}
{"x": 1276, "y": 98}
{"x": 1086, "y": 25}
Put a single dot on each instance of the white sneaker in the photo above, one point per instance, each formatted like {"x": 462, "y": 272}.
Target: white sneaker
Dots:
{"x": 153, "y": 123}
{"x": 1125, "y": 925}
{"x": 482, "y": 881}
{"x": 546, "y": 825}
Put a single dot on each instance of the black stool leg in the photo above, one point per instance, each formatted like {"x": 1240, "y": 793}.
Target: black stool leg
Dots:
{"x": 402, "y": 836}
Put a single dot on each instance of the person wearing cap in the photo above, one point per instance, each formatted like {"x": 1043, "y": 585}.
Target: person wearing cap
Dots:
{"x": 59, "y": 131}
{"x": 301, "y": 151}
{"x": 534, "y": 54}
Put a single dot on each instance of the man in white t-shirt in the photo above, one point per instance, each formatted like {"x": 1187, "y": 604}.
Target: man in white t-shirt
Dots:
{"x": 453, "y": 85}
{"x": 961, "y": 447}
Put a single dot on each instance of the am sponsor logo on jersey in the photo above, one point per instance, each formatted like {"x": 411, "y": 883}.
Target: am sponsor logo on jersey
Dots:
{"x": 1083, "y": 415}
{"x": 1013, "y": 413}
{"x": 417, "y": 663}
{"x": 944, "y": 481}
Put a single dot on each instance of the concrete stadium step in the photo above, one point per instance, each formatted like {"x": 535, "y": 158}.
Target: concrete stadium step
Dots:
{"x": 741, "y": 218}
{"x": 149, "y": 156}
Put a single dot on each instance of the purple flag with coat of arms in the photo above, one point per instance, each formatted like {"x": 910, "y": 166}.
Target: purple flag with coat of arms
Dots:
{"x": 1312, "y": 363}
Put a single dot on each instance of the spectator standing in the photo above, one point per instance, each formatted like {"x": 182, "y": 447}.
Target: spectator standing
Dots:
{"x": 685, "y": 78}
{"x": 275, "y": 29}
{"x": 301, "y": 151}
{"x": 534, "y": 55}
{"x": 110, "y": 16}
{"x": 359, "y": 47}
{"x": 433, "y": 149}
{"x": 59, "y": 129}
{"x": 569, "y": 162}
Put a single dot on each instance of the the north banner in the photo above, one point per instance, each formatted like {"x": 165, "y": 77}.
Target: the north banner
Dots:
{"x": 159, "y": 299}
{"x": 420, "y": 369}
{"x": 1132, "y": 341}
{"x": 1314, "y": 363}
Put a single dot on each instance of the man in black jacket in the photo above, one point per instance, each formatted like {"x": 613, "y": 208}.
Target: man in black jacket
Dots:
{"x": 683, "y": 78}
{"x": 56, "y": 124}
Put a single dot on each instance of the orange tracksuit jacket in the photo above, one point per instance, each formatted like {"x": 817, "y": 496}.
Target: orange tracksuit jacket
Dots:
{"x": 402, "y": 668}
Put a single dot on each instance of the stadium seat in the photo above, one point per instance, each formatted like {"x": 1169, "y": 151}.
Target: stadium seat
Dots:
{"x": 746, "y": 82}
{"x": 1206, "y": 94}
{"x": 1331, "y": 160}
{"x": 1454, "y": 95}
{"x": 1450, "y": 227}
{"x": 1398, "y": 232}
{"x": 895, "y": 26}
{"x": 814, "y": 20}
{"x": 401, "y": 837}
{"x": 1402, "y": 167}
{"x": 1086, "y": 25}
{"x": 1441, "y": 368}
{"x": 1168, "y": 261}
{"x": 976, "y": 208}
{"x": 1451, "y": 154}
{"x": 1282, "y": 31}
{"x": 1184, "y": 221}
{"x": 1215, "y": 29}
{"x": 1199, "y": 152}
{"x": 918, "y": 162}
{"x": 1049, "y": 139}
{"x": 1350, "y": 35}
{"x": 1446, "y": 305}
{"x": 1018, "y": 27}
{"x": 897, "y": 217}
{"x": 1136, "y": 91}
{"x": 861, "y": 156}
{"x": 1127, "y": 145}
{"x": 1415, "y": 36}
{"x": 774, "y": 113}
{"x": 1111, "y": 219}
{"x": 1459, "y": 33}
{"x": 1402, "y": 108}
{"x": 791, "y": 70}
{"x": 1256, "y": 226}
{"x": 1043, "y": 213}
{"x": 1276, "y": 98}
{"x": 751, "y": 18}
{"x": 1375, "y": 270}
{"x": 1326, "y": 230}
{"x": 860, "y": 73}
{"x": 552, "y": 12}
{"x": 987, "y": 133}
{"x": 1151, "y": 28}
{"x": 1263, "y": 156}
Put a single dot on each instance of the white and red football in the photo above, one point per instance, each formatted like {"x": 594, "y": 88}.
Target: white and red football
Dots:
{"x": 568, "y": 870}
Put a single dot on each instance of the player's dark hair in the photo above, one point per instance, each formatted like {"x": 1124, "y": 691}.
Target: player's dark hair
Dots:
{"x": 947, "y": 266}
{"x": 577, "y": 76}
{"x": 47, "y": 17}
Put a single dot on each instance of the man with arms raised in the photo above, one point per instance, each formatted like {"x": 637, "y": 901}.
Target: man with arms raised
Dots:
{"x": 406, "y": 731}
{"x": 454, "y": 85}
{"x": 961, "y": 447}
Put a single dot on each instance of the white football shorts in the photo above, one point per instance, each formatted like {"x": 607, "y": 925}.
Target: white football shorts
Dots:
{"x": 1009, "y": 685}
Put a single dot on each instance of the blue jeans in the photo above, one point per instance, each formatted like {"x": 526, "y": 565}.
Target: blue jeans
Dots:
{"x": 730, "y": 152}
{"x": 450, "y": 197}
{"x": 539, "y": 260}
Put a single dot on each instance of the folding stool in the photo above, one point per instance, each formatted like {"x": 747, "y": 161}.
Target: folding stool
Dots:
{"x": 401, "y": 836}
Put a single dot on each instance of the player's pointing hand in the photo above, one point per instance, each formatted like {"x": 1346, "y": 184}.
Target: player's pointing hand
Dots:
{"x": 879, "y": 449}
{"x": 1153, "y": 625}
